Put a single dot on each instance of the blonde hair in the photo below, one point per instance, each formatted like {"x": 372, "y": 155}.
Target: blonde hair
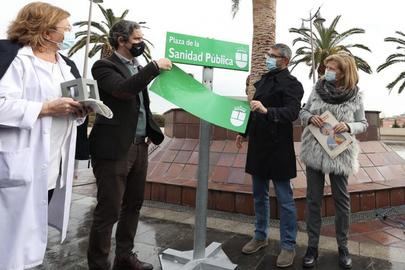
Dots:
{"x": 32, "y": 21}
{"x": 348, "y": 67}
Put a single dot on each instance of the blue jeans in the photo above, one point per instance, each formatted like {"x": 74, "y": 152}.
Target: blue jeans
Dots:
{"x": 286, "y": 206}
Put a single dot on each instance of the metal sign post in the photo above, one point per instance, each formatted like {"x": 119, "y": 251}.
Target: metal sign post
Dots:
{"x": 208, "y": 53}
{"x": 201, "y": 258}
{"x": 202, "y": 184}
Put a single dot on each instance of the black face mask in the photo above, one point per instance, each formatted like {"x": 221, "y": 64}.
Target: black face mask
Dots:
{"x": 137, "y": 49}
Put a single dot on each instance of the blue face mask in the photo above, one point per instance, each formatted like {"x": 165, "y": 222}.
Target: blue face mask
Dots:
{"x": 271, "y": 63}
{"x": 330, "y": 75}
{"x": 68, "y": 41}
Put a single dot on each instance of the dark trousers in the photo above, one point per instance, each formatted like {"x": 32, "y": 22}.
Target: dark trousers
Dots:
{"x": 120, "y": 193}
{"x": 341, "y": 197}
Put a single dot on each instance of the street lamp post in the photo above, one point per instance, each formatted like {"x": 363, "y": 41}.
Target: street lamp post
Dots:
{"x": 318, "y": 18}
{"x": 86, "y": 50}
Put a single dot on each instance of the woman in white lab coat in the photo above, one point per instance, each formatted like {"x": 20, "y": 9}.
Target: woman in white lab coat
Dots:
{"x": 37, "y": 134}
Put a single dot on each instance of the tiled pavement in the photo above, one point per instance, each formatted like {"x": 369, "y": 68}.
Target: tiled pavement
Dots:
{"x": 162, "y": 225}
{"x": 162, "y": 228}
{"x": 388, "y": 231}
{"x": 373, "y": 242}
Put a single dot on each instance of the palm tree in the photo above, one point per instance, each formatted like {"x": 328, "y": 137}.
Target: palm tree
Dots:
{"x": 99, "y": 36}
{"x": 264, "y": 35}
{"x": 394, "y": 59}
{"x": 327, "y": 41}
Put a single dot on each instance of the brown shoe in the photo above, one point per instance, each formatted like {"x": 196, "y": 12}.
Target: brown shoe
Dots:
{"x": 285, "y": 258}
{"x": 254, "y": 245}
{"x": 130, "y": 262}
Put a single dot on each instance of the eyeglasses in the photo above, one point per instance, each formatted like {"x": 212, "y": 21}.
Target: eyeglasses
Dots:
{"x": 273, "y": 56}
{"x": 65, "y": 28}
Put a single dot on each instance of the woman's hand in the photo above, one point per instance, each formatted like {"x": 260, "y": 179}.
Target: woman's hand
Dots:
{"x": 61, "y": 107}
{"x": 341, "y": 127}
{"x": 316, "y": 120}
{"x": 239, "y": 141}
{"x": 257, "y": 106}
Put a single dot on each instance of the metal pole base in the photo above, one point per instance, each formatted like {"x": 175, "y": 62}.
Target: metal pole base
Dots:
{"x": 215, "y": 259}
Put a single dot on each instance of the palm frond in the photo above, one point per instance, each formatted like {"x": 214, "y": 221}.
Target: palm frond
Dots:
{"x": 96, "y": 25}
{"x": 395, "y": 58}
{"x": 235, "y": 7}
{"x": 392, "y": 84}
{"x": 84, "y": 33}
{"x": 148, "y": 42}
{"x": 401, "y": 87}
{"x": 305, "y": 59}
{"x": 335, "y": 22}
{"x": 389, "y": 63}
{"x": 395, "y": 40}
{"x": 360, "y": 46}
{"x": 77, "y": 46}
{"x": 400, "y": 33}
{"x": 362, "y": 65}
{"x": 124, "y": 14}
{"x": 103, "y": 11}
{"x": 303, "y": 50}
{"x": 143, "y": 26}
{"x": 395, "y": 55}
{"x": 93, "y": 24}
{"x": 326, "y": 40}
{"x": 96, "y": 48}
{"x": 147, "y": 56}
{"x": 300, "y": 39}
{"x": 345, "y": 34}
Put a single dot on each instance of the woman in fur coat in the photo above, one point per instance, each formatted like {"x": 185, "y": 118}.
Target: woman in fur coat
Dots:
{"x": 336, "y": 92}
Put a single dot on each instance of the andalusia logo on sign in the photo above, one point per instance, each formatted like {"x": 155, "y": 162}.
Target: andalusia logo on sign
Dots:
{"x": 238, "y": 116}
{"x": 241, "y": 58}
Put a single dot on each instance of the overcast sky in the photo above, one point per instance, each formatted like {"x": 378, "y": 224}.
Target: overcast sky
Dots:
{"x": 213, "y": 19}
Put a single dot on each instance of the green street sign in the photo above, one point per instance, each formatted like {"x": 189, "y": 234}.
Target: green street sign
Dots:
{"x": 186, "y": 92}
{"x": 206, "y": 52}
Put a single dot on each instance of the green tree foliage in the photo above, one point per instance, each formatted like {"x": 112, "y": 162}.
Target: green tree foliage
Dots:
{"x": 326, "y": 40}
{"x": 99, "y": 35}
{"x": 396, "y": 59}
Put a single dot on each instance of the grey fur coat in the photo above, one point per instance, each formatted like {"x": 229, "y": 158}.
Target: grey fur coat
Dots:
{"x": 312, "y": 153}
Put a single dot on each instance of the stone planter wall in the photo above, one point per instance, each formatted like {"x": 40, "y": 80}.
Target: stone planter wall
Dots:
{"x": 181, "y": 124}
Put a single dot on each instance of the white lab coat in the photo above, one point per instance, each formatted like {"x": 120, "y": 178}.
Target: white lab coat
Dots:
{"x": 24, "y": 158}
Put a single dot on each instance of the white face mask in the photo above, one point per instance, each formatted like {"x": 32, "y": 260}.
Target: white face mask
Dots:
{"x": 330, "y": 75}
{"x": 67, "y": 42}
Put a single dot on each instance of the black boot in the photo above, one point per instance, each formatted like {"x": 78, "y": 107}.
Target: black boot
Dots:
{"x": 345, "y": 260}
{"x": 310, "y": 257}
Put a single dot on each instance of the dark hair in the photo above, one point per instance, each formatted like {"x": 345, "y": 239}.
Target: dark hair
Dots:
{"x": 122, "y": 28}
